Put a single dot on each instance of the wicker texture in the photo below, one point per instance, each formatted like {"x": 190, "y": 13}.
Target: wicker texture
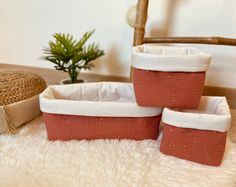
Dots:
{"x": 202, "y": 146}
{"x": 68, "y": 127}
{"x": 168, "y": 89}
{"x": 17, "y": 85}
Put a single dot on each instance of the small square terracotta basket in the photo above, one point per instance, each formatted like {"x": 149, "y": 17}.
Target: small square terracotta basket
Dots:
{"x": 197, "y": 135}
{"x": 168, "y": 76}
{"x": 105, "y": 110}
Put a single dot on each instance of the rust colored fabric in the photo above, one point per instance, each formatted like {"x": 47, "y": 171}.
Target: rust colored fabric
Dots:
{"x": 68, "y": 127}
{"x": 202, "y": 146}
{"x": 168, "y": 89}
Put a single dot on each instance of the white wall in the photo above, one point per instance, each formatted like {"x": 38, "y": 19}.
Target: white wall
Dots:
{"x": 26, "y": 27}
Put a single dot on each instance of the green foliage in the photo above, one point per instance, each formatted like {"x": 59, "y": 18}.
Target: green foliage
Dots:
{"x": 70, "y": 55}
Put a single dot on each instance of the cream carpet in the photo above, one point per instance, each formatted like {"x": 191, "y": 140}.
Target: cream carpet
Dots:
{"x": 29, "y": 159}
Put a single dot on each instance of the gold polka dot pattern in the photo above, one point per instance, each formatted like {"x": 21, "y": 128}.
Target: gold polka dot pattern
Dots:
{"x": 202, "y": 146}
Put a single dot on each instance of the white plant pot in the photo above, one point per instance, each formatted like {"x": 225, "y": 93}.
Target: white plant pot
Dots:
{"x": 67, "y": 81}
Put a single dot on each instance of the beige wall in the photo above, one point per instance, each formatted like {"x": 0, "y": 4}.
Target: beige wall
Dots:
{"x": 27, "y": 25}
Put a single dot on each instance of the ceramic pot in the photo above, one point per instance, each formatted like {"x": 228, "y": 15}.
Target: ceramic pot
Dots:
{"x": 68, "y": 81}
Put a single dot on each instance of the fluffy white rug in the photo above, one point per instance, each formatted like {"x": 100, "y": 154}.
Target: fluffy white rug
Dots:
{"x": 29, "y": 159}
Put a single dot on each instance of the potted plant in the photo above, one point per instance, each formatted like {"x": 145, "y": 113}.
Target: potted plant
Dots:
{"x": 70, "y": 55}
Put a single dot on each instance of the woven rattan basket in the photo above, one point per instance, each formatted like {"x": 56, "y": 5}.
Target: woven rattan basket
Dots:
{"x": 19, "y": 103}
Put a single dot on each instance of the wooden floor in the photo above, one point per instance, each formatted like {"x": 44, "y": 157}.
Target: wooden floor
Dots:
{"x": 54, "y": 77}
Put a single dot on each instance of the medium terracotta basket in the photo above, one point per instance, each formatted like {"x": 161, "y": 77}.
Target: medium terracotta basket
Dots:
{"x": 168, "y": 76}
{"x": 102, "y": 110}
{"x": 197, "y": 135}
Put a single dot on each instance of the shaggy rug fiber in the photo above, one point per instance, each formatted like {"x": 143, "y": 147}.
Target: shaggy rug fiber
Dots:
{"x": 29, "y": 159}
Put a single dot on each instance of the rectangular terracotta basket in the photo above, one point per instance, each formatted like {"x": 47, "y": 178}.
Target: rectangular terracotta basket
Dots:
{"x": 197, "y": 135}
{"x": 168, "y": 76}
{"x": 102, "y": 110}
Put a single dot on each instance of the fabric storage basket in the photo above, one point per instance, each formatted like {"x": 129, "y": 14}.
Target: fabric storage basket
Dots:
{"x": 197, "y": 135}
{"x": 102, "y": 110}
{"x": 19, "y": 98}
{"x": 168, "y": 76}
